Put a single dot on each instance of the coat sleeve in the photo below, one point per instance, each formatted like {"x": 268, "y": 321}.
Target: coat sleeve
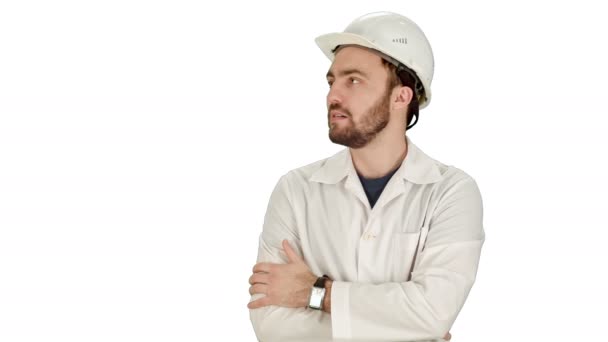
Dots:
{"x": 426, "y": 306}
{"x": 274, "y": 323}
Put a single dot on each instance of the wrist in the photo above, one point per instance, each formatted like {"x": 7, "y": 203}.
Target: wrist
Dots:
{"x": 327, "y": 298}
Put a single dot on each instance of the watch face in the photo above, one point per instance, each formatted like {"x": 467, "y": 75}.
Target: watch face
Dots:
{"x": 316, "y": 298}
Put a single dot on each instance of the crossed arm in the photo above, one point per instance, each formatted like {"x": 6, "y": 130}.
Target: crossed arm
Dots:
{"x": 420, "y": 309}
{"x": 288, "y": 285}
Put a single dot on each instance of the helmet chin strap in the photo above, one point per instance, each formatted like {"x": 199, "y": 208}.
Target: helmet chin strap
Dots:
{"x": 418, "y": 91}
{"x": 415, "y": 115}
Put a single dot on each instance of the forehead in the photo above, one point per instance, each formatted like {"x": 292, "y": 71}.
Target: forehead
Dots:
{"x": 360, "y": 58}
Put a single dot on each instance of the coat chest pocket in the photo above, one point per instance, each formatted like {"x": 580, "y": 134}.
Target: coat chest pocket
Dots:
{"x": 406, "y": 249}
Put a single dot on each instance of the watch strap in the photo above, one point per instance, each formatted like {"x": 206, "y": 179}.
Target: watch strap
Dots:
{"x": 321, "y": 281}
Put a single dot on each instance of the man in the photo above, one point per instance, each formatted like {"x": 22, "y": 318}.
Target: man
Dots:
{"x": 379, "y": 242}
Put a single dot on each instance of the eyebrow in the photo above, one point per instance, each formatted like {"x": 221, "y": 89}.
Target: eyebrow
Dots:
{"x": 347, "y": 72}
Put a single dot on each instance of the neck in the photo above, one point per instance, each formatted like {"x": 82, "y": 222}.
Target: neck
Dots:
{"x": 380, "y": 156}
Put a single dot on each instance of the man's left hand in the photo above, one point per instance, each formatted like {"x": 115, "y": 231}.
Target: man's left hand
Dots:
{"x": 288, "y": 285}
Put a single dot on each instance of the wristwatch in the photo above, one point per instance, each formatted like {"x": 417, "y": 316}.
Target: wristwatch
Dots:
{"x": 317, "y": 294}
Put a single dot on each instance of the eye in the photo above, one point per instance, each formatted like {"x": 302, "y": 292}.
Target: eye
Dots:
{"x": 354, "y": 80}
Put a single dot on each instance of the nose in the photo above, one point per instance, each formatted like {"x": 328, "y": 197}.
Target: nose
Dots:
{"x": 334, "y": 96}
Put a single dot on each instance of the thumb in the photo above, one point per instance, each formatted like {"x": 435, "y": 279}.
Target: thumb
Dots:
{"x": 291, "y": 254}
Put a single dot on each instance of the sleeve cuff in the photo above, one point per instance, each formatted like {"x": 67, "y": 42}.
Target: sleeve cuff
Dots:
{"x": 340, "y": 312}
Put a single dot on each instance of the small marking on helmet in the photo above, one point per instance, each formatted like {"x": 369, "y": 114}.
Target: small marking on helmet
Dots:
{"x": 400, "y": 40}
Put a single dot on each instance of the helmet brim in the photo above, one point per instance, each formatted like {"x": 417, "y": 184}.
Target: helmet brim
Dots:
{"x": 328, "y": 42}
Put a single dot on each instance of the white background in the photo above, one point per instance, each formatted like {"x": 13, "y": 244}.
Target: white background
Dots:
{"x": 140, "y": 141}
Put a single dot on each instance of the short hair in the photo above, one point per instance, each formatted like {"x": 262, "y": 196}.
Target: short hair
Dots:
{"x": 406, "y": 79}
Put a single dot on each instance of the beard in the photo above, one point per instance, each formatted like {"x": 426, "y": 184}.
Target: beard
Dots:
{"x": 358, "y": 135}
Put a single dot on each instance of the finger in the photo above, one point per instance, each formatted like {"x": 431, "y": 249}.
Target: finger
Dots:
{"x": 447, "y": 336}
{"x": 262, "y": 267}
{"x": 258, "y": 303}
{"x": 291, "y": 254}
{"x": 259, "y": 278}
{"x": 258, "y": 288}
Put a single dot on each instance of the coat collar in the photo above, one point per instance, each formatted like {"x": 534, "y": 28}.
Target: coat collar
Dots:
{"x": 417, "y": 167}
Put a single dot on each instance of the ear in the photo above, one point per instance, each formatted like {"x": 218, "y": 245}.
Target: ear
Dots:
{"x": 403, "y": 98}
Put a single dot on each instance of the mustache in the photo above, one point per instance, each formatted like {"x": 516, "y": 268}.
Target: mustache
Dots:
{"x": 337, "y": 107}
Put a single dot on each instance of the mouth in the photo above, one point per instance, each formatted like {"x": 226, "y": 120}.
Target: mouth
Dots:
{"x": 335, "y": 115}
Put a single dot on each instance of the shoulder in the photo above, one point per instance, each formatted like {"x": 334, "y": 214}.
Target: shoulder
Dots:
{"x": 452, "y": 175}
{"x": 453, "y": 182}
{"x": 301, "y": 176}
{"x": 457, "y": 193}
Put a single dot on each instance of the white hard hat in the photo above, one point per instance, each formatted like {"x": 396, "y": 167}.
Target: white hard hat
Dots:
{"x": 395, "y": 36}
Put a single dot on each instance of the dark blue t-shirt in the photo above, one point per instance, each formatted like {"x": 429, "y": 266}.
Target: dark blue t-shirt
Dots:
{"x": 373, "y": 186}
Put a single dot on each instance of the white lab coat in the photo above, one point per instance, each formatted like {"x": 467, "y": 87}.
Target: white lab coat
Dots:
{"x": 402, "y": 270}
